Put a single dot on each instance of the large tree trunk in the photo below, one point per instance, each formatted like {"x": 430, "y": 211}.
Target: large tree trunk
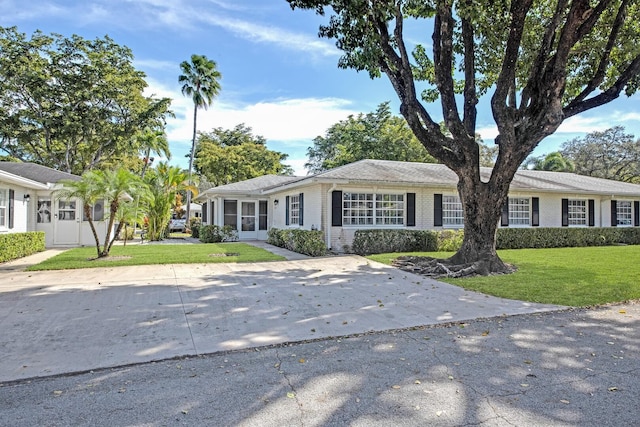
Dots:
{"x": 482, "y": 206}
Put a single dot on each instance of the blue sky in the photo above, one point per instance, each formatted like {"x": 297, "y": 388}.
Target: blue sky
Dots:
{"x": 278, "y": 77}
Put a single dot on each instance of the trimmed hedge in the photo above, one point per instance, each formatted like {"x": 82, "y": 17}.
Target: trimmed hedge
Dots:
{"x": 217, "y": 234}
{"x": 521, "y": 238}
{"x": 18, "y": 245}
{"x": 367, "y": 242}
{"x": 307, "y": 242}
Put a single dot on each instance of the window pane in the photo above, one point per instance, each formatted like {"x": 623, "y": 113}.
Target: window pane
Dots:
{"x": 519, "y": 212}
{"x": 452, "y": 211}
{"x": 624, "y": 213}
{"x": 231, "y": 213}
{"x": 577, "y": 212}
{"x": 44, "y": 211}
{"x": 294, "y": 210}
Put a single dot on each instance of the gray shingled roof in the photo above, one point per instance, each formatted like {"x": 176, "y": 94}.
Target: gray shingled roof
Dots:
{"x": 252, "y": 186}
{"x": 36, "y": 172}
{"x": 392, "y": 172}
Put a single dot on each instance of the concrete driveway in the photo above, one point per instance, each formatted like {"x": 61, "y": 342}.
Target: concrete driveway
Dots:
{"x": 57, "y": 322}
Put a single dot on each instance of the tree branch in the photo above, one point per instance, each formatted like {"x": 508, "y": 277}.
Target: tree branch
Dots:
{"x": 608, "y": 95}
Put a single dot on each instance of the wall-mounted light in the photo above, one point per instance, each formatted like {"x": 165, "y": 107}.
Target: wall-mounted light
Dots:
{"x": 275, "y": 202}
{"x": 27, "y": 197}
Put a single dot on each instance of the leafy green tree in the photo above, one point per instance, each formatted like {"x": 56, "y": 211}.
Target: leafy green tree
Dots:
{"x": 200, "y": 80}
{"x": 225, "y": 156}
{"x": 117, "y": 188}
{"x": 554, "y": 161}
{"x": 72, "y": 104}
{"x": 164, "y": 183}
{"x": 375, "y": 135}
{"x": 541, "y": 63}
{"x": 612, "y": 154}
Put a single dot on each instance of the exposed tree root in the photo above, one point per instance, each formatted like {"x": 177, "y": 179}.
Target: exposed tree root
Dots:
{"x": 437, "y": 268}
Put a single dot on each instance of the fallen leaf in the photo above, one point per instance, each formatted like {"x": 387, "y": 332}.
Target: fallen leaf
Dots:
{"x": 301, "y": 360}
{"x": 122, "y": 390}
{"x": 57, "y": 393}
{"x": 566, "y": 402}
{"x": 524, "y": 385}
{"x": 613, "y": 389}
{"x": 184, "y": 411}
{"x": 395, "y": 387}
{"x": 439, "y": 413}
{"x": 485, "y": 333}
{"x": 417, "y": 382}
{"x": 291, "y": 395}
{"x": 451, "y": 377}
{"x": 528, "y": 362}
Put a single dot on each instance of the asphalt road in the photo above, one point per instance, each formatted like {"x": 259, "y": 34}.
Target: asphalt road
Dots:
{"x": 562, "y": 368}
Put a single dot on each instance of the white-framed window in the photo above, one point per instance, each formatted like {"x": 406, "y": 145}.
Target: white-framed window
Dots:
{"x": 373, "y": 209}
{"x": 519, "y": 211}
{"x": 577, "y": 213}
{"x": 452, "y": 214}
{"x": 66, "y": 210}
{"x": 44, "y": 210}
{"x": 389, "y": 209}
{"x": 624, "y": 213}
{"x": 4, "y": 206}
{"x": 294, "y": 210}
{"x": 97, "y": 211}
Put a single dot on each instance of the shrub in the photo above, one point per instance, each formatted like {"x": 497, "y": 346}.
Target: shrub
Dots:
{"x": 450, "y": 240}
{"x": 307, "y": 242}
{"x": 18, "y": 245}
{"x": 217, "y": 234}
{"x": 521, "y": 238}
{"x": 367, "y": 242}
{"x": 194, "y": 225}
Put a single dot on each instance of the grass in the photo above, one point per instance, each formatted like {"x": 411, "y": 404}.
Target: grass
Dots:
{"x": 566, "y": 276}
{"x": 157, "y": 254}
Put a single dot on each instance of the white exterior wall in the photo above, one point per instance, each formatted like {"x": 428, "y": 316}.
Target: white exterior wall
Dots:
{"x": 21, "y": 209}
{"x": 312, "y": 207}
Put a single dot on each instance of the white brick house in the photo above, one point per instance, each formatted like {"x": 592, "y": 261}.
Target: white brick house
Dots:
{"x": 371, "y": 194}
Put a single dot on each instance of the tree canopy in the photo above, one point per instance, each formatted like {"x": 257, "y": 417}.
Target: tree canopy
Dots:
{"x": 376, "y": 135}
{"x": 540, "y": 62}
{"x": 554, "y": 162}
{"x": 611, "y": 154}
{"x": 72, "y": 104}
{"x": 224, "y": 156}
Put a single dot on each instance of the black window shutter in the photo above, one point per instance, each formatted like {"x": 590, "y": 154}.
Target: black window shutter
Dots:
{"x": 336, "y": 209}
{"x": 301, "y": 211}
{"x": 213, "y": 213}
{"x": 437, "y": 210}
{"x": 504, "y": 218}
{"x": 614, "y": 213}
{"x": 565, "y": 212}
{"x": 411, "y": 209}
{"x": 636, "y": 213}
{"x": 12, "y": 195}
{"x": 592, "y": 212}
{"x": 286, "y": 211}
{"x": 205, "y": 218}
{"x": 535, "y": 211}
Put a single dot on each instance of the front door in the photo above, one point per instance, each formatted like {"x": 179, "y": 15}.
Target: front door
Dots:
{"x": 248, "y": 220}
{"x": 67, "y": 223}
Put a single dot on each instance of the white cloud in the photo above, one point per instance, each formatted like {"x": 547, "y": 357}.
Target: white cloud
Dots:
{"x": 288, "y": 125}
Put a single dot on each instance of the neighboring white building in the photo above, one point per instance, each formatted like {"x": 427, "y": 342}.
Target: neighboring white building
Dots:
{"x": 374, "y": 194}
{"x": 28, "y": 203}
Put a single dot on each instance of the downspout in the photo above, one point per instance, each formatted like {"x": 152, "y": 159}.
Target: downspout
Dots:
{"x": 328, "y": 215}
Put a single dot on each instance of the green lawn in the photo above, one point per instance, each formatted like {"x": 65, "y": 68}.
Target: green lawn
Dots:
{"x": 157, "y": 254}
{"x": 566, "y": 276}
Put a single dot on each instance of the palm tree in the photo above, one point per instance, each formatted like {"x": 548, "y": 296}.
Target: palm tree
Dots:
{"x": 164, "y": 183}
{"x": 153, "y": 141}
{"x": 115, "y": 187}
{"x": 87, "y": 190}
{"x": 199, "y": 80}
